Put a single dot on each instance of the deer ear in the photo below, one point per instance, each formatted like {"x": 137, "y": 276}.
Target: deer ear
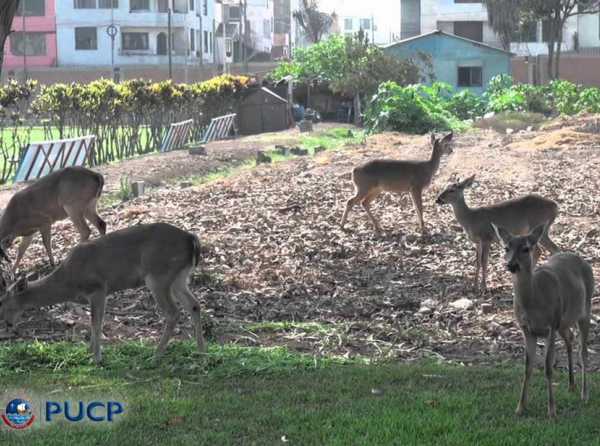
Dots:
{"x": 468, "y": 182}
{"x": 503, "y": 235}
{"x": 3, "y": 255}
{"x": 534, "y": 236}
{"x": 432, "y": 139}
{"x": 20, "y": 285}
{"x": 448, "y": 137}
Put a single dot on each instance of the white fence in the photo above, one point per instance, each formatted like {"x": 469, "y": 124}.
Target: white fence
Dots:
{"x": 177, "y": 135}
{"x": 42, "y": 158}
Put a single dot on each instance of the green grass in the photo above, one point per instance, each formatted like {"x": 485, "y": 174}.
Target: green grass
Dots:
{"x": 333, "y": 139}
{"x": 235, "y": 395}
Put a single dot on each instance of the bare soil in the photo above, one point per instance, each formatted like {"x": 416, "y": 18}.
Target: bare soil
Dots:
{"x": 275, "y": 252}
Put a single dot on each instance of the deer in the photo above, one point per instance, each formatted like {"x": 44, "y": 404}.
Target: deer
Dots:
{"x": 397, "y": 176}
{"x": 159, "y": 255}
{"x": 71, "y": 192}
{"x": 518, "y": 215}
{"x": 551, "y": 298}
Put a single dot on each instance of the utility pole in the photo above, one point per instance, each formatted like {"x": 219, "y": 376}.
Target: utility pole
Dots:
{"x": 25, "y": 76}
{"x": 169, "y": 42}
{"x": 245, "y": 34}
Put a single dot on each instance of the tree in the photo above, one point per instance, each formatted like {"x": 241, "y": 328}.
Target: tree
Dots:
{"x": 313, "y": 22}
{"x": 504, "y": 17}
{"x": 8, "y": 8}
{"x": 351, "y": 66}
{"x": 555, "y": 14}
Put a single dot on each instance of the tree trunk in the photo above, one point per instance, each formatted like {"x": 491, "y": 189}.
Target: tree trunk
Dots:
{"x": 558, "y": 52}
{"x": 549, "y": 70}
{"x": 357, "y": 110}
{"x": 7, "y": 13}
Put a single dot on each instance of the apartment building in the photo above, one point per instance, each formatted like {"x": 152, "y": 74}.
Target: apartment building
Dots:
{"x": 469, "y": 19}
{"x": 33, "y": 40}
{"x": 350, "y": 25}
{"x": 140, "y": 30}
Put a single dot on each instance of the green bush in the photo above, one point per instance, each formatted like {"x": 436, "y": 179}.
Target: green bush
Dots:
{"x": 414, "y": 108}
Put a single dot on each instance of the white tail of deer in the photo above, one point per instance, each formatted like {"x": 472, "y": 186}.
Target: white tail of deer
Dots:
{"x": 553, "y": 297}
{"x": 519, "y": 216}
{"x": 71, "y": 192}
{"x": 158, "y": 255}
{"x": 377, "y": 176}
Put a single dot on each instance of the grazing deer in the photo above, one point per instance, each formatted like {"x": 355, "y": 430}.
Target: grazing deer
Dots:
{"x": 159, "y": 255}
{"x": 553, "y": 297}
{"x": 519, "y": 216}
{"x": 396, "y": 176}
{"x": 71, "y": 192}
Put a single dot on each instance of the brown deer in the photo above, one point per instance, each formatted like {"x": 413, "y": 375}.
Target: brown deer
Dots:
{"x": 552, "y": 298}
{"x": 71, "y": 192}
{"x": 519, "y": 216}
{"x": 396, "y": 176}
{"x": 158, "y": 255}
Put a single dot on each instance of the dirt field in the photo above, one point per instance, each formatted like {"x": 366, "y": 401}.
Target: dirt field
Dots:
{"x": 279, "y": 271}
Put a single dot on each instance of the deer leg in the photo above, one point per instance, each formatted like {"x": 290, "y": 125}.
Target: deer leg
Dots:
{"x": 530, "y": 345}
{"x": 47, "y": 240}
{"x": 365, "y": 204}
{"x": 417, "y": 200}
{"x": 550, "y": 340}
{"x": 485, "y": 255}
{"x": 584, "y": 331}
{"x": 349, "y": 205}
{"x": 91, "y": 214}
{"x": 190, "y": 303}
{"x": 477, "y": 262}
{"x": 23, "y": 245}
{"x": 162, "y": 295}
{"x": 76, "y": 216}
{"x": 98, "y": 304}
{"x": 567, "y": 335}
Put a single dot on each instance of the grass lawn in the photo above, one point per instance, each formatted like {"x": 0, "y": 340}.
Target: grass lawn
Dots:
{"x": 236, "y": 395}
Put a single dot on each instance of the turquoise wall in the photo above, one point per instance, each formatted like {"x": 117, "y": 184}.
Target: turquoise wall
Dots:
{"x": 448, "y": 53}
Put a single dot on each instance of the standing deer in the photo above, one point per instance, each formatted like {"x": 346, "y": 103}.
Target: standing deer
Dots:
{"x": 519, "y": 216}
{"x": 158, "y": 255}
{"x": 71, "y": 192}
{"x": 553, "y": 297}
{"x": 396, "y": 176}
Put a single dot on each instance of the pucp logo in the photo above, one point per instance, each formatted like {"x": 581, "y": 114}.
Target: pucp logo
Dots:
{"x": 18, "y": 414}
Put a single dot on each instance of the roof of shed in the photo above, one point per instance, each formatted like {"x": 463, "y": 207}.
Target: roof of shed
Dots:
{"x": 454, "y": 36}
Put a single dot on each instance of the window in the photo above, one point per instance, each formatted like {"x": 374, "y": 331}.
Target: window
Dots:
{"x": 85, "y": 4}
{"x": 33, "y": 8}
{"x": 139, "y": 5}
{"x": 205, "y": 7}
{"x": 348, "y": 24}
{"x": 108, "y": 4}
{"x": 86, "y": 38}
{"x": 470, "y": 77}
{"x": 206, "y": 41}
{"x": 211, "y": 43}
{"x": 191, "y": 5}
{"x": 469, "y": 30}
{"x": 135, "y": 41}
{"x": 192, "y": 40}
{"x": 365, "y": 23}
{"x": 28, "y": 44}
{"x": 234, "y": 13}
{"x": 267, "y": 28}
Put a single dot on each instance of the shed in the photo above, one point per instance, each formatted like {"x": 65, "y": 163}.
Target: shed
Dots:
{"x": 458, "y": 61}
{"x": 261, "y": 111}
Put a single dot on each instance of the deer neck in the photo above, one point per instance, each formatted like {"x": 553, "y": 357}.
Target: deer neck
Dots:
{"x": 49, "y": 290}
{"x": 523, "y": 288}
{"x": 461, "y": 210}
{"x": 434, "y": 161}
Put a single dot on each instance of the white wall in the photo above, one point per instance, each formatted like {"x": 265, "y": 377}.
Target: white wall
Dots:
{"x": 257, "y": 13}
{"x": 589, "y": 30}
{"x": 153, "y": 22}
